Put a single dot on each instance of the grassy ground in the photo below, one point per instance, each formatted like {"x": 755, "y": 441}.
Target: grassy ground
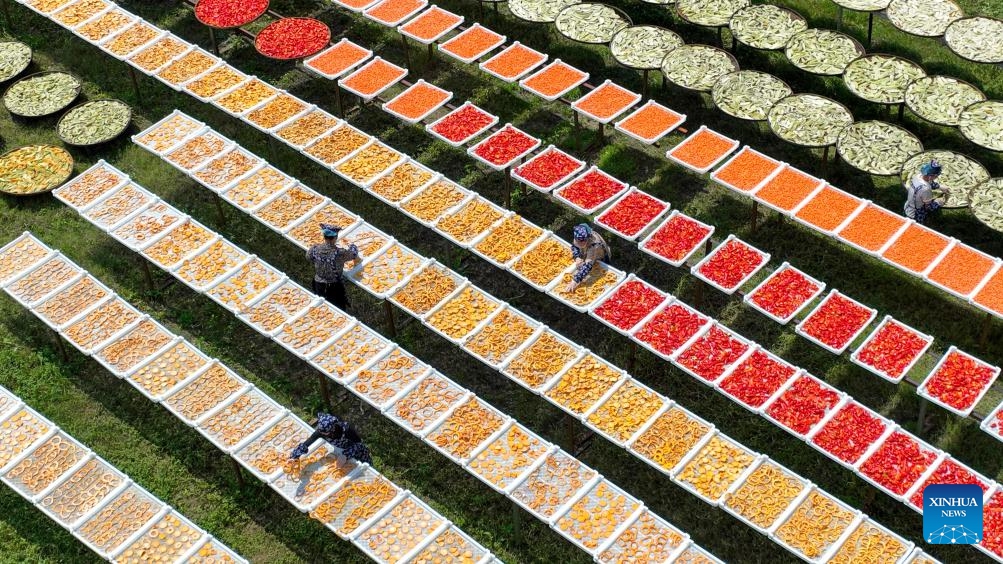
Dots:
{"x": 187, "y": 472}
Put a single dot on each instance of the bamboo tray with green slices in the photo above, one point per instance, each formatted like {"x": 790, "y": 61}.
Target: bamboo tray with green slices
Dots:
{"x": 539, "y": 11}
{"x": 748, "y": 94}
{"x": 862, "y": 5}
{"x": 987, "y": 203}
{"x": 41, "y": 94}
{"x": 591, "y": 23}
{"x": 821, "y": 51}
{"x": 809, "y": 120}
{"x": 94, "y": 122}
{"x": 961, "y": 174}
{"x": 982, "y": 124}
{"x": 881, "y": 79}
{"x": 877, "y": 147}
{"x": 709, "y": 13}
{"x": 976, "y": 39}
{"x": 925, "y": 18}
{"x": 941, "y": 99}
{"x": 643, "y": 47}
{"x": 14, "y": 58}
{"x": 34, "y": 169}
{"x": 697, "y": 67}
{"x": 765, "y": 26}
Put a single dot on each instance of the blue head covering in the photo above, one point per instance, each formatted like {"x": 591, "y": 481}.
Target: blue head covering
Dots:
{"x": 329, "y": 230}
{"x": 931, "y": 168}
{"x": 581, "y": 232}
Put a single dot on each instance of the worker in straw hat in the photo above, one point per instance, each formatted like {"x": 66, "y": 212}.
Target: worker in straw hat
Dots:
{"x": 587, "y": 248}
{"x": 340, "y": 434}
{"x": 329, "y": 266}
{"x": 920, "y": 201}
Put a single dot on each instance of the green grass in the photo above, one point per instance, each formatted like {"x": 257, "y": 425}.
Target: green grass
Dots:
{"x": 186, "y": 471}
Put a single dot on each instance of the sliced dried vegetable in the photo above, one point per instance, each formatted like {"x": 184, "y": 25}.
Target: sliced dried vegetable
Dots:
{"x": 981, "y": 124}
{"x": 14, "y": 58}
{"x": 987, "y": 203}
{"x": 41, "y": 94}
{"x": 976, "y": 39}
{"x": 94, "y": 122}
{"x": 643, "y": 46}
{"x": 539, "y": 11}
{"x": 33, "y": 169}
{"x": 927, "y": 18}
{"x": 590, "y": 23}
{"x": 766, "y": 26}
{"x": 697, "y": 67}
{"x": 809, "y": 120}
{"x": 821, "y": 51}
{"x": 881, "y": 78}
{"x": 748, "y": 94}
{"x": 877, "y": 147}
{"x": 709, "y": 13}
{"x": 960, "y": 175}
{"x": 862, "y": 5}
{"x": 941, "y": 99}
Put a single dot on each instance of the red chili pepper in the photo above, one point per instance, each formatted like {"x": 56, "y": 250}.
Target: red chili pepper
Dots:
{"x": 757, "y": 378}
{"x": 992, "y": 524}
{"x": 292, "y": 38}
{"x": 784, "y": 293}
{"x": 548, "y": 169}
{"x": 849, "y": 433}
{"x": 505, "y": 146}
{"x": 836, "y": 321}
{"x": 960, "y": 380}
{"x": 632, "y": 214}
{"x": 803, "y": 405}
{"x": 677, "y": 238}
{"x": 229, "y": 13}
{"x": 463, "y": 123}
{"x": 731, "y": 264}
{"x": 671, "y": 328}
{"x": 592, "y": 189}
{"x": 949, "y": 472}
{"x": 712, "y": 353}
{"x": 629, "y": 304}
{"x": 898, "y": 463}
{"x": 893, "y": 348}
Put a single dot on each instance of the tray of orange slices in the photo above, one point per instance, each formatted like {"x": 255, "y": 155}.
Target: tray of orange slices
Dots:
{"x": 358, "y": 503}
{"x": 540, "y": 359}
{"x": 211, "y": 550}
{"x": 171, "y": 368}
{"x": 495, "y": 342}
{"x": 343, "y": 357}
{"x": 427, "y": 288}
{"x": 369, "y": 163}
{"x": 427, "y": 403}
{"x": 173, "y": 245}
{"x": 168, "y": 539}
{"x": 400, "y": 181}
{"x": 763, "y": 495}
{"x": 227, "y": 169}
{"x": 268, "y": 449}
{"x": 130, "y": 350}
{"x": 127, "y": 513}
{"x": 250, "y": 191}
{"x": 647, "y": 537}
{"x": 275, "y": 306}
{"x": 506, "y": 240}
{"x": 168, "y": 133}
{"x": 81, "y": 491}
{"x": 583, "y": 384}
{"x": 19, "y": 431}
{"x": 709, "y": 472}
{"x": 467, "y": 310}
{"x": 815, "y": 528}
{"x": 624, "y": 410}
{"x": 552, "y": 484}
{"x": 382, "y": 274}
{"x": 142, "y": 230}
{"x": 668, "y": 438}
{"x": 450, "y": 544}
{"x": 401, "y": 531}
{"x": 31, "y": 473}
{"x": 21, "y": 254}
{"x": 369, "y": 240}
{"x": 467, "y": 222}
{"x": 207, "y": 267}
{"x": 119, "y": 206}
{"x": 47, "y": 277}
{"x": 388, "y": 377}
{"x": 243, "y": 284}
{"x": 306, "y": 230}
{"x": 507, "y": 458}
{"x": 101, "y": 324}
{"x": 211, "y": 386}
{"x": 543, "y": 262}
{"x": 307, "y": 332}
{"x": 198, "y": 150}
{"x": 8, "y": 402}
{"x": 283, "y": 210}
{"x": 230, "y": 425}
{"x": 602, "y": 280}
{"x": 467, "y": 427}
{"x": 429, "y": 204}
{"x": 93, "y": 183}
{"x": 870, "y": 542}
{"x": 595, "y": 517}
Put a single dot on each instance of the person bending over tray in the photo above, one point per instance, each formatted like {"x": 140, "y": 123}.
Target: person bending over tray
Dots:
{"x": 329, "y": 266}
{"x": 340, "y": 434}
{"x": 587, "y": 248}
{"x": 920, "y": 202}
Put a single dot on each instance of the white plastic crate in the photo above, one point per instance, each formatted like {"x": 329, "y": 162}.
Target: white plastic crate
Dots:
{"x": 568, "y": 469}
{"x": 80, "y": 491}
{"x": 80, "y": 202}
{"x": 134, "y": 510}
{"x": 631, "y": 279}
{"x": 548, "y": 235}
{"x": 576, "y": 354}
{"x": 601, "y": 219}
{"x": 43, "y": 279}
{"x": 515, "y": 171}
{"x": 489, "y": 462}
{"x": 656, "y": 137}
{"x": 30, "y": 251}
{"x": 748, "y": 298}
{"x": 801, "y": 331}
{"x": 472, "y": 151}
{"x": 498, "y": 307}
{"x": 920, "y": 485}
{"x": 121, "y": 369}
{"x": 363, "y": 182}
{"x": 586, "y": 418}
{"x": 433, "y": 177}
{"x": 841, "y": 399}
{"x": 855, "y": 518}
{"x": 68, "y": 460}
{"x": 715, "y": 176}
{"x": 160, "y": 375}
{"x": 923, "y": 446}
{"x": 555, "y": 96}
{"x": 431, "y": 127}
{"x": 491, "y": 233}
{"x": 559, "y": 191}
{"x": 992, "y": 268}
{"x": 416, "y": 119}
{"x": 695, "y": 270}
{"x": 498, "y": 425}
{"x": 830, "y": 232}
{"x": 466, "y": 195}
{"x": 635, "y": 98}
{"x": 733, "y": 144}
{"x": 203, "y": 391}
{"x": 855, "y": 358}
{"x": 340, "y": 359}
{"x": 441, "y": 34}
{"x": 696, "y": 247}
{"x": 369, "y": 96}
{"x": 499, "y": 41}
{"x": 748, "y": 345}
{"x": 515, "y": 45}
{"x": 795, "y": 372}
{"x": 924, "y": 392}
{"x": 671, "y": 302}
{"x": 554, "y": 287}
{"x": 695, "y": 453}
{"x": 737, "y": 485}
{"x": 633, "y": 509}
{"x": 418, "y": 417}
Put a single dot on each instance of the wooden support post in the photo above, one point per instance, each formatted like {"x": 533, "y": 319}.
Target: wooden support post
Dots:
{"x": 431, "y": 57}
{"x": 219, "y": 211}
{"x": 388, "y": 311}
{"x": 135, "y": 85}
{"x": 644, "y": 86}
{"x": 495, "y": 2}
{"x": 901, "y": 110}
{"x": 870, "y": 28}
{"x": 325, "y": 391}
{"x": 987, "y": 325}
{"x": 215, "y": 44}
{"x": 631, "y": 356}
{"x": 6, "y": 14}
{"x": 569, "y": 434}
{"x": 60, "y": 347}
{"x": 516, "y": 523}
{"x": 698, "y": 293}
{"x": 839, "y": 17}
{"x": 507, "y": 186}
{"x": 407, "y": 52}
{"x": 921, "y": 418}
{"x": 755, "y": 215}
{"x": 338, "y": 102}
{"x": 238, "y": 472}
{"x": 147, "y": 275}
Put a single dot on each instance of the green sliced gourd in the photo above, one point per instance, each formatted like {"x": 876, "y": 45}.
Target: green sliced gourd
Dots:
{"x": 877, "y": 147}
{"x": 987, "y": 203}
{"x": 94, "y": 122}
{"x": 976, "y": 39}
{"x": 863, "y": 5}
{"x": 697, "y": 67}
{"x": 748, "y": 94}
{"x": 940, "y": 99}
{"x": 809, "y": 120}
{"x": 540, "y": 11}
{"x": 643, "y": 46}
{"x": 881, "y": 78}
{"x": 821, "y": 51}
{"x": 982, "y": 124}
{"x": 41, "y": 95}
{"x": 34, "y": 169}
{"x": 926, "y": 18}
{"x": 710, "y": 13}
{"x": 765, "y": 26}
{"x": 590, "y": 23}
{"x": 14, "y": 58}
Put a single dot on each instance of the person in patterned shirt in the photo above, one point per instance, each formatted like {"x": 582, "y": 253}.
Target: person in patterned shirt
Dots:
{"x": 329, "y": 266}
{"x": 587, "y": 248}
{"x": 340, "y": 434}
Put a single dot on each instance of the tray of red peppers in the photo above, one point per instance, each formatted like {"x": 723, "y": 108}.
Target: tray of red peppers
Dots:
{"x": 803, "y": 404}
{"x": 958, "y": 382}
{"x": 632, "y": 214}
{"x": 784, "y": 293}
{"x": 755, "y": 379}
{"x": 708, "y": 357}
{"x": 892, "y": 349}
{"x": 993, "y": 423}
{"x": 223, "y": 14}
{"x": 548, "y": 169}
{"x": 670, "y": 327}
{"x": 730, "y": 265}
{"x": 677, "y": 238}
{"x": 462, "y": 124}
{"x": 504, "y": 147}
{"x": 628, "y": 304}
{"x": 898, "y": 463}
{"x": 292, "y": 38}
{"x": 590, "y": 191}
{"x": 992, "y": 525}
{"x": 849, "y": 433}
{"x": 948, "y": 472}
{"x": 836, "y": 322}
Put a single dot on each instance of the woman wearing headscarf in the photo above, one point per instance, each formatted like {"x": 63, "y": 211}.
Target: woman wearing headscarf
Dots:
{"x": 587, "y": 248}
{"x": 329, "y": 266}
{"x": 340, "y": 434}
{"x": 920, "y": 202}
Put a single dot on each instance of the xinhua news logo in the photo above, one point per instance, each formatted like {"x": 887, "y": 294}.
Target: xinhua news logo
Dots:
{"x": 952, "y": 514}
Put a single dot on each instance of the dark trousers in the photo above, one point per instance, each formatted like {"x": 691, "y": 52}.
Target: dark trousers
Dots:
{"x": 333, "y": 292}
